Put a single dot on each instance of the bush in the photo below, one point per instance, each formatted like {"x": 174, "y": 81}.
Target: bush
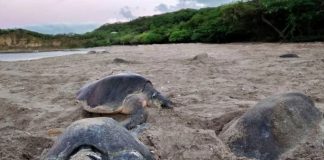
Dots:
{"x": 150, "y": 37}
{"x": 180, "y": 36}
{"x": 126, "y": 39}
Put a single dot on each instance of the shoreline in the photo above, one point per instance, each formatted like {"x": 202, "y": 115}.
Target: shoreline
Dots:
{"x": 103, "y": 47}
{"x": 35, "y": 51}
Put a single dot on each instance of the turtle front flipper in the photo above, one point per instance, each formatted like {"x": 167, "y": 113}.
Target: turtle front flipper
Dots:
{"x": 134, "y": 106}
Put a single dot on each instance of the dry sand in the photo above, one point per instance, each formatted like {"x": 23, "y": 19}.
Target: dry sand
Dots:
{"x": 37, "y": 98}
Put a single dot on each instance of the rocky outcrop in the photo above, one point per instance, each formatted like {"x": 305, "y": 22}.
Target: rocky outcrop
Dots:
{"x": 27, "y": 40}
{"x": 14, "y": 40}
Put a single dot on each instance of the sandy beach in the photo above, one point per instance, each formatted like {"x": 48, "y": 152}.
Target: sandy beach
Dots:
{"x": 211, "y": 85}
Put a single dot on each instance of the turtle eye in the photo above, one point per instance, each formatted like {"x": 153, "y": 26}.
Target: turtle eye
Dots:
{"x": 154, "y": 95}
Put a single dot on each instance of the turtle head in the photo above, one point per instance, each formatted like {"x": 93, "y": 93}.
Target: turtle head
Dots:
{"x": 156, "y": 98}
{"x": 160, "y": 101}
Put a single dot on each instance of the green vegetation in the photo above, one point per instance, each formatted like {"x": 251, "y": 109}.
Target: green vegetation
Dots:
{"x": 254, "y": 20}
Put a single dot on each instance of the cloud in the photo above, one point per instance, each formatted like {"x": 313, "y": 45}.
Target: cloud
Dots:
{"x": 213, "y": 3}
{"x": 62, "y": 28}
{"x": 196, "y": 4}
{"x": 162, "y": 8}
{"x": 127, "y": 13}
{"x": 180, "y": 5}
{"x": 20, "y": 13}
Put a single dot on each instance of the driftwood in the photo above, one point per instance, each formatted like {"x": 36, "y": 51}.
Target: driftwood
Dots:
{"x": 281, "y": 33}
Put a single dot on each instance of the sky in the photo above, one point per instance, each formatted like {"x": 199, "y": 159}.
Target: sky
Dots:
{"x": 69, "y": 14}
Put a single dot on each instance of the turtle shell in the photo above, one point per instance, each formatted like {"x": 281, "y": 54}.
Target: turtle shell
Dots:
{"x": 102, "y": 135}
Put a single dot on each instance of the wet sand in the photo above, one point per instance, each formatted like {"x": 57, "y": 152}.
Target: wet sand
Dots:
{"x": 37, "y": 98}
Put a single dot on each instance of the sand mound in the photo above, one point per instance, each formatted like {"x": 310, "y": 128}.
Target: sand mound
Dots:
{"x": 124, "y": 61}
{"x": 201, "y": 58}
{"x": 120, "y": 60}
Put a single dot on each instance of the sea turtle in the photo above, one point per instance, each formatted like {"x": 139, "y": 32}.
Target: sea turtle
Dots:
{"x": 126, "y": 93}
{"x": 97, "y": 139}
{"x": 273, "y": 126}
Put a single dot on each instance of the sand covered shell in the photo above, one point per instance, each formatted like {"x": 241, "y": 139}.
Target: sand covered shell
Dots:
{"x": 272, "y": 126}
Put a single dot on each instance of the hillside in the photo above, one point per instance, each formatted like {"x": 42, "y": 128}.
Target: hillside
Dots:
{"x": 22, "y": 40}
{"x": 251, "y": 21}
{"x": 257, "y": 20}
